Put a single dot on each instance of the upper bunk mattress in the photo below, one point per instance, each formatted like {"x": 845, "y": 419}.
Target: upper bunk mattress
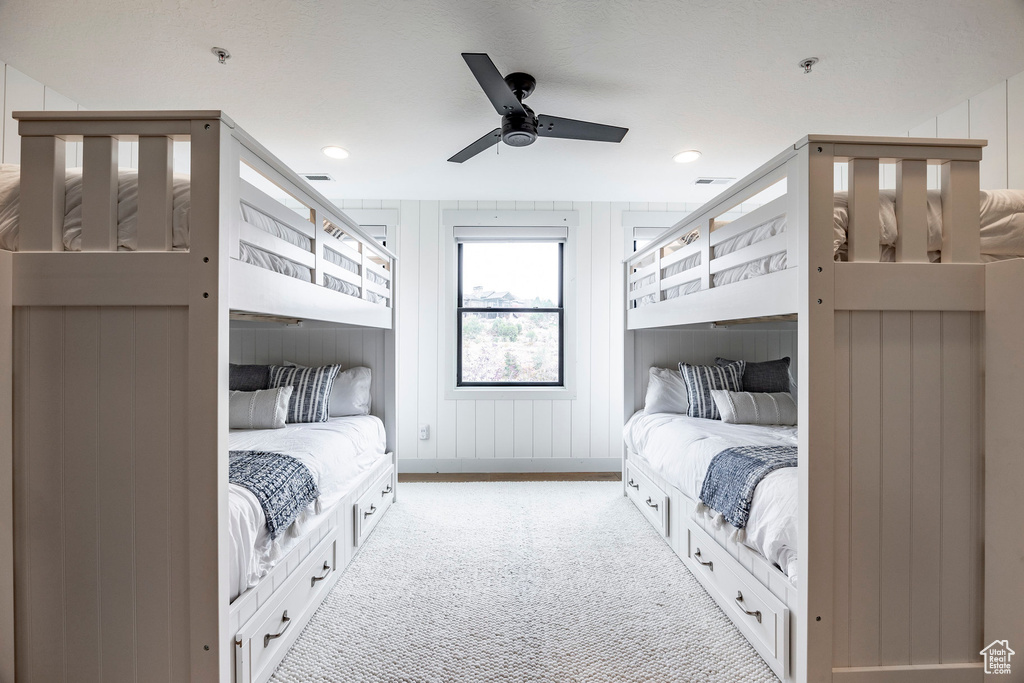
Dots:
{"x": 336, "y": 452}
{"x": 680, "y": 449}
{"x": 1002, "y": 237}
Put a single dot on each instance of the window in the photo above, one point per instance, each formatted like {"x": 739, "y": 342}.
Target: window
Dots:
{"x": 510, "y": 312}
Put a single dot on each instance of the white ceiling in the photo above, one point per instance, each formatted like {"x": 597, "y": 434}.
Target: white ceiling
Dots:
{"x": 385, "y": 80}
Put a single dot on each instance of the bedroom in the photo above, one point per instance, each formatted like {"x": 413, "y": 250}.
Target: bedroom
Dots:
{"x": 943, "y": 71}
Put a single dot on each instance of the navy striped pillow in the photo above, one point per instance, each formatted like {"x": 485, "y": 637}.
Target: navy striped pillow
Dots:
{"x": 311, "y": 394}
{"x": 701, "y": 379}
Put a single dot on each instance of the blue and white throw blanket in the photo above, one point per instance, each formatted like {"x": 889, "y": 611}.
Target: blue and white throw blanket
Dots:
{"x": 283, "y": 485}
{"x": 731, "y": 479}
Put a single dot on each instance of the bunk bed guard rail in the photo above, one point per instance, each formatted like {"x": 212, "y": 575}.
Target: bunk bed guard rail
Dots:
{"x": 336, "y": 253}
{"x": 654, "y": 278}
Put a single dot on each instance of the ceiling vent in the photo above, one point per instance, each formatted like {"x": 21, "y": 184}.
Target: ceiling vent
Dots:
{"x": 714, "y": 181}
{"x": 322, "y": 177}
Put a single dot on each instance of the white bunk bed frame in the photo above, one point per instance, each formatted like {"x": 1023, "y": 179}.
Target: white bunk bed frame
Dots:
{"x": 114, "y": 366}
{"x": 905, "y": 568}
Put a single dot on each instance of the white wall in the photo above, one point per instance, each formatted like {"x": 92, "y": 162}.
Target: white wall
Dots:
{"x": 507, "y": 435}
{"x": 997, "y": 115}
{"x": 20, "y": 92}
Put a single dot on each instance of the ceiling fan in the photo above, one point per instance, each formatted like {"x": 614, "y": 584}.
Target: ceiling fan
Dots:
{"x": 519, "y": 125}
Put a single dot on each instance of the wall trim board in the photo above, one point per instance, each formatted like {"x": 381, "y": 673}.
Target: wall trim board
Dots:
{"x": 507, "y": 465}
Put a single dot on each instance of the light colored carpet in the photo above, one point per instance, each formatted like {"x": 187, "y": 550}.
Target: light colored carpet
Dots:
{"x": 538, "y": 581}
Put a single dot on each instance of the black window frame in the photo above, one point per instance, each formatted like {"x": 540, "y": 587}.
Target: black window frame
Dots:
{"x": 559, "y": 309}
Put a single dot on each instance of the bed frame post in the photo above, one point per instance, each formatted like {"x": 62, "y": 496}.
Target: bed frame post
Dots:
{"x": 42, "y": 193}
{"x": 215, "y": 156}
{"x": 812, "y": 181}
{"x": 6, "y": 468}
{"x": 1004, "y": 468}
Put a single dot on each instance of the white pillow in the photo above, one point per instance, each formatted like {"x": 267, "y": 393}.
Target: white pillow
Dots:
{"x": 350, "y": 394}
{"x": 262, "y": 409}
{"x": 745, "y": 407}
{"x": 666, "y": 392}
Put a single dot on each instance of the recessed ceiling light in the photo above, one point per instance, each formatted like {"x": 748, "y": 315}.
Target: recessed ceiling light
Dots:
{"x": 335, "y": 152}
{"x": 686, "y": 157}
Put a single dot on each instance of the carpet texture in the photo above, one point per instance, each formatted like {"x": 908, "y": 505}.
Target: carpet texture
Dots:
{"x": 538, "y": 581}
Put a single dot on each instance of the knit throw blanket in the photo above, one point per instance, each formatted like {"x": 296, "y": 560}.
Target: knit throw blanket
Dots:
{"x": 283, "y": 485}
{"x": 731, "y": 479}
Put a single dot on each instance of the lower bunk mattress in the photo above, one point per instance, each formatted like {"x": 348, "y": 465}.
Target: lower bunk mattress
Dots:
{"x": 335, "y": 452}
{"x": 680, "y": 449}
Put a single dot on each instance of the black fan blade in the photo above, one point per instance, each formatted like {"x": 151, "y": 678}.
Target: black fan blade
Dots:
{"x": 480, "y": 145}
{"x": 571, "y": 129}
{"x": 495, "y": 87}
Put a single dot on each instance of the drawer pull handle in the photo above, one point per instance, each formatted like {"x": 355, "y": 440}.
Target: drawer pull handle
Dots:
{"x": 373, "y": 508}
{"x": 286, "y": 620}
{"x": 739, "y": 601}
{"x": 709, "y": 564}
{"x": 327, "y": 572}
{"x": 650, "y": 504}
{"x": 630, "y": 483}
{"x": 386, "y": 491}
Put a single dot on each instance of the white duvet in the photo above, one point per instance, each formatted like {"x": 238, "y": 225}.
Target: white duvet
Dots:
{"x": 680, "y": 449}
{"x": 335, "y": 452}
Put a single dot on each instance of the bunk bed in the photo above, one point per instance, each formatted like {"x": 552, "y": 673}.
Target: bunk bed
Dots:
{"x": 875, "y": 559}
{"x": 122, "y": 290}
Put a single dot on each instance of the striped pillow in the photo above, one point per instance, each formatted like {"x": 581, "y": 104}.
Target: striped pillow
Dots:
{"x": 700, "y": 380}
{"x": 310, "y": 401}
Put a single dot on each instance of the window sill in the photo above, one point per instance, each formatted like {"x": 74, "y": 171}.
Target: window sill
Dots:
{"x": 509, "y": 394}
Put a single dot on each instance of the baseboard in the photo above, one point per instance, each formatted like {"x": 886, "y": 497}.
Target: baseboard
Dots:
{"x": 922, "y": 673}
{"x": 449, "y": 477}
{"x": 507, "y": 465}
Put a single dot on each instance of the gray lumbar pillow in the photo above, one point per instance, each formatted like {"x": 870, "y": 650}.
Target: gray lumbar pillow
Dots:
{"x": 666, "y": 392}
{"x": 752, "y": 408}
{"x": 350, "y": 394}
{"x": 263, "y": 409}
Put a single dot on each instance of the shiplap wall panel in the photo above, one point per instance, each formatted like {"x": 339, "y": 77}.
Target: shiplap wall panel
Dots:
{"x": 907, "y": 529}
{"x": 588, "y": 426}
{"x": 100, "y": 482}
{"x": 581, "y": 432}
{"x": 427, "y": 330}
{"x": 21, "y": 92}
{"x": 316, "y": 345}
{"x": 1015, "y": 131}
{"x": 988, "y": 121}
{"x": 407, "y": 322}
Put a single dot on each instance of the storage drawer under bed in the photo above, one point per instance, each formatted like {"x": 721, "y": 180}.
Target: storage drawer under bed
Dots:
{"x": 269, "y": 634}
{"x": 761, "y": 616}
{"x": 372, "y": 505}
{"x": 648, "y": 497}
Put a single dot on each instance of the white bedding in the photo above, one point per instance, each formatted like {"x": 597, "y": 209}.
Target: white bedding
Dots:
{"x": 127, "y": 224}
{"x": 1002, "y": 237}
{"x": 335, "y": 452}
{"x": 680, "y": 449}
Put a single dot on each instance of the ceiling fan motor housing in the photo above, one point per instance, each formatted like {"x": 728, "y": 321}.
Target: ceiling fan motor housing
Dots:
{"x": 519, "y": 131}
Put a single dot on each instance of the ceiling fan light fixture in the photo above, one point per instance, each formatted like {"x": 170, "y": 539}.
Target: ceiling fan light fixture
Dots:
{"x": 335, "y": 152}
{"x": 686, "y": 156}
